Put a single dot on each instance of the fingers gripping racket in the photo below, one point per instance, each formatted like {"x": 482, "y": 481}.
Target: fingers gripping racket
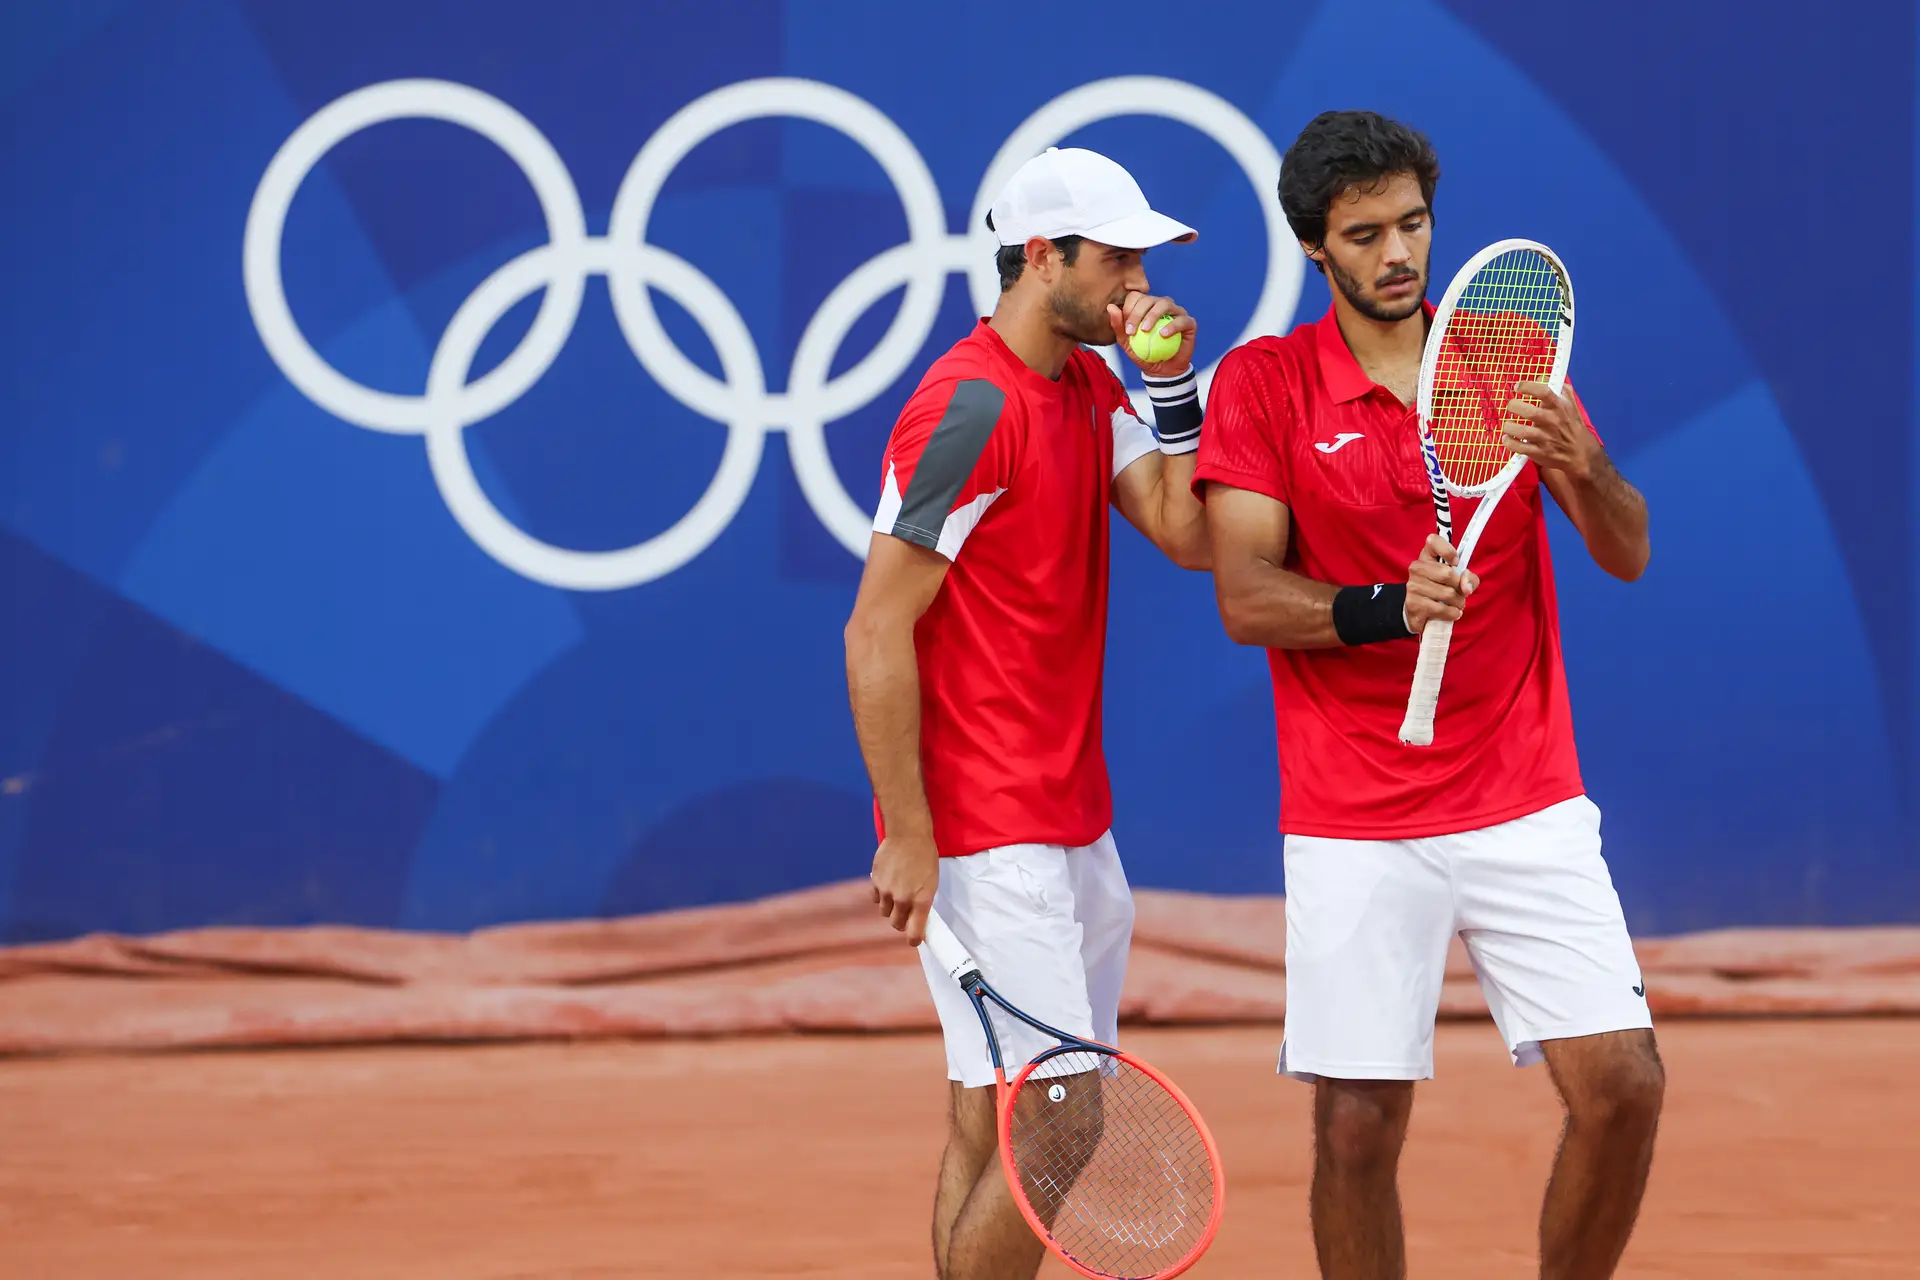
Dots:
{"x": 1507, "y": 318}
{"x": 1110, "y": 1164}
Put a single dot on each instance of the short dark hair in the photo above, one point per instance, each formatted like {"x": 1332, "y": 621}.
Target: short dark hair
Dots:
{"x": 1011, "y": 259}
{"x": 1341, "y": 149}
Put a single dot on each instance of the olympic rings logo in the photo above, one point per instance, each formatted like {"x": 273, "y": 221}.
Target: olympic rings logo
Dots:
{"x": 740, "y": 398}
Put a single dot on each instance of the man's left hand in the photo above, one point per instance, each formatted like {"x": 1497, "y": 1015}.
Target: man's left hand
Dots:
{"x": 1550, "y": 430}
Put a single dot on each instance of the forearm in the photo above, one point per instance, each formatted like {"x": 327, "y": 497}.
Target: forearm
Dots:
{"x": 1610, "y": 514}
{"x": 883, "y": 685}
{"x": 1274, "y": 609}
{"x": 1181, "y": 519}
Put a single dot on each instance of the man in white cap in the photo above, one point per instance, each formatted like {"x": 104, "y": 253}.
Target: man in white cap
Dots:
{"x": 977, "y": 644}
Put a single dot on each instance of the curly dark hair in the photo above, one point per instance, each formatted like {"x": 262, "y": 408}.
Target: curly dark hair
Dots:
{"x": 1011, "y": 259}
{"x": 1341, "y": 149}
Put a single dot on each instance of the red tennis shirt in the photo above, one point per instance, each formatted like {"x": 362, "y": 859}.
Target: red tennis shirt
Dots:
{"x": 1298, "y": 420}
{"x": 1008, "y": 475}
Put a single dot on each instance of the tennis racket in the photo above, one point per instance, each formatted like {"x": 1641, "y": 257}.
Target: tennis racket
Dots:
{"x": 1110, "y": 1164}
{"x": 1507, "y": 318}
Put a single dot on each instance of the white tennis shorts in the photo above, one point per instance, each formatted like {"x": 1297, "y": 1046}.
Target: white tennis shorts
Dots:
{"x": 1368, "y": 923}
{"x": 1049, "y": 927}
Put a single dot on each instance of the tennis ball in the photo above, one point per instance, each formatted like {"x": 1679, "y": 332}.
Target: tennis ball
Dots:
{"x": 1152, "y": 346}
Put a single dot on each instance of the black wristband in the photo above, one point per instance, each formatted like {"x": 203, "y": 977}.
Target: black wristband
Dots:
{"x": 1368, "y": 615}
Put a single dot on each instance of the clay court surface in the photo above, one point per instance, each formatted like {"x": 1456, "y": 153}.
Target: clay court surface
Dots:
{"x": 1789, "y": 1149}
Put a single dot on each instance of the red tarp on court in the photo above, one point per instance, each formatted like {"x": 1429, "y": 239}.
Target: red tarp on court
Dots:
{"x": 818, "y": 960}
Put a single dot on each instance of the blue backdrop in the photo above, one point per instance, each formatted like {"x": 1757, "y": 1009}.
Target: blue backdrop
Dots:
{"x": 305, "y": 620}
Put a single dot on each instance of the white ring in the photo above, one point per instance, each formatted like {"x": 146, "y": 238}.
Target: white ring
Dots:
{"x": 457, "y": 104}
{"x": 796, "y": 99}
{"x": 498, "y": 536}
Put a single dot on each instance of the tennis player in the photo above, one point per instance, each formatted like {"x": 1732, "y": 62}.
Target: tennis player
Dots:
{"x": 1316, "y": 500}
{"x": 976, "y": 649}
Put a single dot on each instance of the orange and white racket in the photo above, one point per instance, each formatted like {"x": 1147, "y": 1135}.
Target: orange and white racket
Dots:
{"x": 1110, "y": 1164}
{"x": 1506, "y": 318}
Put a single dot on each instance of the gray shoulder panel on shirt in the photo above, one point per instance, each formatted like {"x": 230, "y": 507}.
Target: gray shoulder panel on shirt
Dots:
{"x": 950, "y": 455}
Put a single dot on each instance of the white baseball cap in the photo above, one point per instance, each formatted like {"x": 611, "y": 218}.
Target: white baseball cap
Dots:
{"x": 1077, "y": 192}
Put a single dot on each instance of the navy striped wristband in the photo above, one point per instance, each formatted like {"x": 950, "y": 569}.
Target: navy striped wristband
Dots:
{"x": 1176, "y": 411}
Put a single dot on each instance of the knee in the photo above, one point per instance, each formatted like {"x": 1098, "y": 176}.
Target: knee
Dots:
{"x": 1075, "y": 1135}
{"x": 1063, "y": 1115}
{"x": 1361, "y": 1126}
{"x": 1625, "y": 1096}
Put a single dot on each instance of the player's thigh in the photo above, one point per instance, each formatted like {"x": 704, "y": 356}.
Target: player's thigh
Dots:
{"x": 1367, "y": 928}
{"x": 1103, "y": 904}
{"x": 972, "y": 1117}
{"x": 1013, "y": 909}
{"x": 1543, "y": 924}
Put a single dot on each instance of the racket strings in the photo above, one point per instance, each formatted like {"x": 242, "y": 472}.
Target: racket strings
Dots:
{"x": 1112, "y": 1164}
{"x": 1504, "y": 330}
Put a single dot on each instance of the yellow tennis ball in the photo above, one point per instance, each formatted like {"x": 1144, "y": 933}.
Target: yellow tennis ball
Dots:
{"x": 1151, "y": 345}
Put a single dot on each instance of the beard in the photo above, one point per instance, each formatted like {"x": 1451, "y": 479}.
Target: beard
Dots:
{"x": 1084, "y": 322}
{"x": 1355, "y": 293}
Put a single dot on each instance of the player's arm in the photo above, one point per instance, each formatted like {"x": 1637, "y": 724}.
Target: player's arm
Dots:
{"x": 1610, "y": 513}
{"x": 1154, "y": 487}
{"x": 1263, "y": 604}
{"x": 1155, "y": 494}
{"x": 949, "y": 460}
{"x": 883, "y": 684}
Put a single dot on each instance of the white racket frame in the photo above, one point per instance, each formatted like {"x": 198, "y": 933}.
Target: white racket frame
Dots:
{"x": 1423, "y": 700}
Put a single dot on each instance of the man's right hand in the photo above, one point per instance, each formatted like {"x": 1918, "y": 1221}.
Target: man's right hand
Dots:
{"x": 1435, "y": 589}
{"x": 906, "y": 874}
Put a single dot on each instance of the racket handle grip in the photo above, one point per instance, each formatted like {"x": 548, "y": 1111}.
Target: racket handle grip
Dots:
{"x": 946, "y": 948}
{"x": 1417, "y": 729}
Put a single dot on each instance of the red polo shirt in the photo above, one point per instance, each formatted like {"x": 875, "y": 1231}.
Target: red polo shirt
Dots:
{"x": 1298, "y": 420}
{"x": 1008, "y": 475}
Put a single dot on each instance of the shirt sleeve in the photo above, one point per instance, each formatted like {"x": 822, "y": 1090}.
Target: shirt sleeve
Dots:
{"x": 952, "y": 454}
{"x": 1133, "y": 439}
{"x": 1243, "y": 446}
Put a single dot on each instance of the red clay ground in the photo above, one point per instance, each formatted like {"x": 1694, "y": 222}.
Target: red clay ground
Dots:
{"x": 1789, "y": 1149}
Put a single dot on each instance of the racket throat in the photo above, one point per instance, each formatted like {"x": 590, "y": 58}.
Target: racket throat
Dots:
{"x": 1482, "y": 516}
